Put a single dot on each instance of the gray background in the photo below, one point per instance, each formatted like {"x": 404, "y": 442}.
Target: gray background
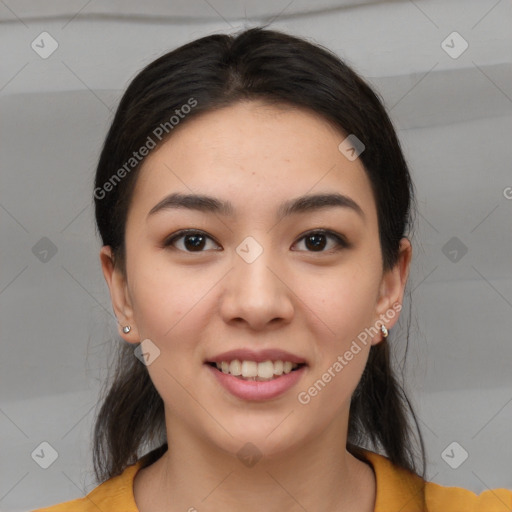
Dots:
{"x": 454, "y": 117}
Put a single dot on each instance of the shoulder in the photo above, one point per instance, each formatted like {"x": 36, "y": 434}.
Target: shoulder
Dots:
{"x": 115, "y": 494}
{"x": 399, "y": 489}
{"x": 452, "y": 499}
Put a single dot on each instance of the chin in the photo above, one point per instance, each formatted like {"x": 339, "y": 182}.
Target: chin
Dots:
{"x": 253, "y": 440}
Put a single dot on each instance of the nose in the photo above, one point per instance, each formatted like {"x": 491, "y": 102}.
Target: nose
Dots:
{"x": 256, "y": 293}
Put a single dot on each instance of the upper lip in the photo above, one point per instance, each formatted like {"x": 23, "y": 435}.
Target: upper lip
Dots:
{"x": 244, "y": 354}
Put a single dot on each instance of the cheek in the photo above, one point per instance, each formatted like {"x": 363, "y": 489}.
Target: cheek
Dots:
{"x": 165, "y": 300}
{"x": 344, "y": 299}
{"x": 345, "y": 304}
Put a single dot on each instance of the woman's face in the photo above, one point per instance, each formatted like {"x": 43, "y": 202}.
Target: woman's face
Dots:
{"x": 252, "y": 278}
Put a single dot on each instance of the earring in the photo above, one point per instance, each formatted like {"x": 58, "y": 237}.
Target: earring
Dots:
{"x": 384, "y": 331}
{"x": 127, "y": 329}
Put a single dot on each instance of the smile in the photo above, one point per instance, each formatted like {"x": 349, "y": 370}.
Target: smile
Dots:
{"x": 249, "y": 384}
{"x": 252, "y": 370}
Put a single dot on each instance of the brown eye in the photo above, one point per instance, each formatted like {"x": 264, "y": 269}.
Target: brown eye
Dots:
{"x": 192, "y": 241}
{"x": 316, "y": 241}
{"x": 197, "y": 241}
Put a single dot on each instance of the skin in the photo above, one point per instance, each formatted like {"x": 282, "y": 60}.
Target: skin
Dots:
{"x": 192, "y": 305}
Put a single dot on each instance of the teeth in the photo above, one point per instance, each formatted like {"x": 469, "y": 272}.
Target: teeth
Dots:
{"x": 235, "y": 367}
{"x": 256, "y": 371}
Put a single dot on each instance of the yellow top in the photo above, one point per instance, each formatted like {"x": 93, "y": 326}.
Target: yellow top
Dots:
{"x": 397, "y": 490}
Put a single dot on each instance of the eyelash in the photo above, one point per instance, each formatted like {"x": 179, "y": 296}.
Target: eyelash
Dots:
{"x": 340, "y": 241}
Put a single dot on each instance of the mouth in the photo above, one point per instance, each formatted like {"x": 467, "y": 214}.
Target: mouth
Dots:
{"x": 256, "y": 371}
{"x": 256, "y": 380}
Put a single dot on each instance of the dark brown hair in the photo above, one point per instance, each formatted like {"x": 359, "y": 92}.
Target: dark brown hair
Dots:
{"x": 214, "y": 72}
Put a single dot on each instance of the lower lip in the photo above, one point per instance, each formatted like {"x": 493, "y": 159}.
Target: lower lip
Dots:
{"x": 254, "y": 390}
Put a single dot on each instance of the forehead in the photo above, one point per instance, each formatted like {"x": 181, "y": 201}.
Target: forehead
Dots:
{"x": 254, "y": 155}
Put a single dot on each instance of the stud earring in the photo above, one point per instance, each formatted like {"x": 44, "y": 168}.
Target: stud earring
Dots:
{"x": 384, "y": 331}
{"x": 127, "y": 329}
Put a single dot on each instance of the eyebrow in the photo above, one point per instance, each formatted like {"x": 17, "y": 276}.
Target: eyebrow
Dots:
{"x": 302, "y": 204}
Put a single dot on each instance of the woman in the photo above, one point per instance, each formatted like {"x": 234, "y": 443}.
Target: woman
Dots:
{"x": 253, "y": 203}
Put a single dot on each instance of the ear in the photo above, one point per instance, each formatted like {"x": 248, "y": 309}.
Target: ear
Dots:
{"x": 391, "y": 293}
{"x": 119, "y": 295}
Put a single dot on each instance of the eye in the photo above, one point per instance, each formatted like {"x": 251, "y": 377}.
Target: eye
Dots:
{"x": 193, "y": 240}
{"x": 317, "y": 241}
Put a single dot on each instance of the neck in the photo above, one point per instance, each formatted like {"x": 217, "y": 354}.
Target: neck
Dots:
{"x": 195, "y": 474}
